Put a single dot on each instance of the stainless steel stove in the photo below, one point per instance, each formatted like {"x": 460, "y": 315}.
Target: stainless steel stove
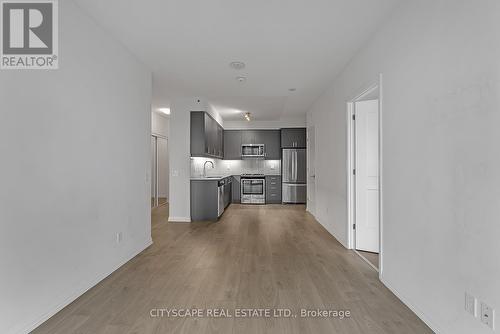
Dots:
{"x": 253, "y": 189}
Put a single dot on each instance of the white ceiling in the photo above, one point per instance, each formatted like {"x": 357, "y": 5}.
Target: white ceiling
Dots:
{"x": 285, "y": 44}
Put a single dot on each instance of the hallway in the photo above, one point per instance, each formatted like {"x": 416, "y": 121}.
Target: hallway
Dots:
{"x": 270, "y": 256}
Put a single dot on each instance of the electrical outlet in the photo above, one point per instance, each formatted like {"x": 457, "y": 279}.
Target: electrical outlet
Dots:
{"x": 119, "y": 237}
{"x": 487, "y": 315}
{"x": 470, "y": 304}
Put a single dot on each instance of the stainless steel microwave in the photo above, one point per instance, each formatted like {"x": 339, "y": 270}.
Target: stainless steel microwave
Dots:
{"x": 253, "y": 151}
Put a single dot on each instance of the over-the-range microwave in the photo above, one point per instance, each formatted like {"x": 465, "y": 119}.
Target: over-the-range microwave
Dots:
{"x": 253, "y": 151}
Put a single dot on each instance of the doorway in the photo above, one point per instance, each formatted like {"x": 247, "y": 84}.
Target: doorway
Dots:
{"x": 159, "y": 170}
{"x": 364, "y": 175}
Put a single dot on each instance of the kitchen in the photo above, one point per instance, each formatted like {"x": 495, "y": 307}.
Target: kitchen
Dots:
{"x": 247, "y": 166}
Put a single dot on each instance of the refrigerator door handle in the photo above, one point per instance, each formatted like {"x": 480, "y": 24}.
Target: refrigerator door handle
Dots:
{"x": 295, "y": 166}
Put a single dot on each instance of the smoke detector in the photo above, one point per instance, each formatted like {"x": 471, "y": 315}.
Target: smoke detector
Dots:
{"x": 237, "y": 65}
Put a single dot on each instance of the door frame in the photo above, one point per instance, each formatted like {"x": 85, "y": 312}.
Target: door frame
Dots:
{"x": 351, "y": 180}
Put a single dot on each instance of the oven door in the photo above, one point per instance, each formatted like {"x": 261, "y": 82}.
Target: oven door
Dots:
{"x": 252, "y": 187}
{"x": 253, "y": 191}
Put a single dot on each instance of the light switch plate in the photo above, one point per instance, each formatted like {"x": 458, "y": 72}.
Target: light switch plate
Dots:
{"x": 487, "y": 315}
{"x": 470, "y": 304}
{"x": 119, "y": 237}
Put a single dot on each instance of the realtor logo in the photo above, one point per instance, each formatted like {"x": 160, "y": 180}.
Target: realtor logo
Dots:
{"x": 29, "y": 34}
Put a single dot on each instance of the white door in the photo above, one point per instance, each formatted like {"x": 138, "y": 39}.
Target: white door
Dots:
{"x": 367, "y": 176}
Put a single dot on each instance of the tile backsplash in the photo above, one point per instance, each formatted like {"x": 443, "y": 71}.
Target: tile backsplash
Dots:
{"x": 235, "y": 167}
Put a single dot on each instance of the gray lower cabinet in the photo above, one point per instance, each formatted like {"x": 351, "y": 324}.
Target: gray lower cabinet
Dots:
{"x": 228, "y": 191}
{"x": 204, "y": 200}
{"x": 232, "y": 144}
{"x": 236, "y": 189}
{"x": 293, "y": 138}
{"x": 273, "y": 189}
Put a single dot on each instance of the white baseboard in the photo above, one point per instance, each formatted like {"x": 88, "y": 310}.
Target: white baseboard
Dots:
{"x": 332, "y": 232}
{"x": 312, "y": 214}
{"x": 425, "y": 318}
{"x": 179, "y": 219}
{"x": 28, "y": 328}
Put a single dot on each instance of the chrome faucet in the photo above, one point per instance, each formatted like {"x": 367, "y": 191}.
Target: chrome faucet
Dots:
{"x": 205, "y": 167}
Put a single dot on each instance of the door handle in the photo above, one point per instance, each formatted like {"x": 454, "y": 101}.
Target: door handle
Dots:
{"x": 296, "y": 163}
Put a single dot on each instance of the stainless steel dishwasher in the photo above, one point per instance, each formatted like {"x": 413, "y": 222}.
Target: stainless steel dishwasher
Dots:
{"x": 220, "y": 197}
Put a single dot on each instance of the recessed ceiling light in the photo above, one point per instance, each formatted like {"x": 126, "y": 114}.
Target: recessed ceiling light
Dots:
{"x": 241, "y": 79}
{"x": 165, "y": 111}
{"x": 292, "y": 89}
{"x": 237, "y": 65}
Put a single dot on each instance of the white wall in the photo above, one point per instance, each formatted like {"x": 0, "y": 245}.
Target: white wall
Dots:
{"x": 70, "y": 141}
{"x": 441, "y": 99}
{"x": 159, "y": 124}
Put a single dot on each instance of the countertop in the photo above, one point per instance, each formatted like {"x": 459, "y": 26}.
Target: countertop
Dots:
{"x": 218, "y": 178}
{"x": 210, "y": 178}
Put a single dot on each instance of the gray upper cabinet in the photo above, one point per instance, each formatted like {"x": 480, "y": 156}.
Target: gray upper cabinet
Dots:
{"x": 232, "y": 144}
{"x": 250, "y": 137}
{"x": 293, "y": 138}
{"x": 207, "y": 136}
{"x": 219, "y": 145}
{"x": 271, "y": 140}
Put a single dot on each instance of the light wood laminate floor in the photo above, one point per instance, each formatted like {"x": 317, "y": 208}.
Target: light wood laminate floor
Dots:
{"x": 370, "y": 257}
{"x": 254, "y": 257}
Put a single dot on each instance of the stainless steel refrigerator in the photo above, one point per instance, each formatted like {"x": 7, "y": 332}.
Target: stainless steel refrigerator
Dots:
{"x": 294, "y": 173}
